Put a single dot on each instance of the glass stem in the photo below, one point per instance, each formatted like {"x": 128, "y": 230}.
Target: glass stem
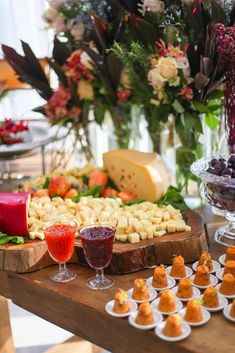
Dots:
{"x": 62, "y": 267}
{"x": 100, "y": 274}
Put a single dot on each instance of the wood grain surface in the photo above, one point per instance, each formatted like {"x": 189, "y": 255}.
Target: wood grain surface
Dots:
{"x": 126, "y": 258}
{"x": 6, "y": 341}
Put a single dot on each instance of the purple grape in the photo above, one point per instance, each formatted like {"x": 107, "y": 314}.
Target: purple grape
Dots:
{"x": 217, "y": 166}
{"x": 232, "y": 159}
{"x": 222, "y": 160}
{"x": 210, "y": 170}
{"x": 213, "y": 162}
{"x": 227, "y": 171}
{"x": 223, "y": 165}
{"x": 230, "y": 165}
{"x": 233, "y": 175}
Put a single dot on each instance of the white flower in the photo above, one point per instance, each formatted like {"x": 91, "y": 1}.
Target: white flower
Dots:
{"x": 50, "y": 15}
{"x": 156, "y": 80}
{"x": 78, "y": 30}
{"x": 56, "y": 4}
{"x": 182, "y": 63}
{"x": 153, "y": 5}
{"x": 86, "y": 60}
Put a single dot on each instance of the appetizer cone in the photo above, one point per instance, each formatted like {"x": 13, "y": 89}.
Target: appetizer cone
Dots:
{"x": 230, "y": 267}
{"x": 167, "y": 301}
{"x": 230, "y": 253}
{"x": 210, "y": 298}
{"x": 178, "y": 267}
{"x": 228, "y": 284}
{"x": 193, "y": 311}
{"x": 140, "y": 291}
{"x": 121, "y": 302}
{"x": 185, "y": 289}
{"x": 202, "y": 277}
{"x": 205, "y": 259}
{"x": 159, "y": 277}
{"x": 145, "y": 314}
{"x": 173, "y": 326}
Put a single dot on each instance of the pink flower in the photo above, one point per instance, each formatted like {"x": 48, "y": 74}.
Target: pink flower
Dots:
{"x": 186, "y": 93}
{"x": 123, "y": 95}
{"x": 60, "y": 98}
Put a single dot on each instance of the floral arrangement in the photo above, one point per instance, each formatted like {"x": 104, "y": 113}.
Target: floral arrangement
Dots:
{"x": 12, "y": 132}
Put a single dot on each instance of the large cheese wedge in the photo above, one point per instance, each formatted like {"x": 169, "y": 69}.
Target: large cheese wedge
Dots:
{"x": 14, "y": 213}
{"x": 143, "y": 174}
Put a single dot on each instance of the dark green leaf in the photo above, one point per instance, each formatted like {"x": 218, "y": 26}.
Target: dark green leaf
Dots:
{"x": 99, "y": 112}
{"x": 60, "y": 52}
{"x": 94, "y": 191}
{"x": 2, "y": 234}
{"x": 17, "y": 240}
{"x": 178, "y": 106}
{"x": 46, "y": 184}
{"x": 85, "y": 179}
{"x": 201, "y": 108}
{"x": 133, "y": 202}
{"x": 173, "y": 197}
{"x": 217, "y": 94}
{"x": 111, "y": 184}
{"x": 4, "y": 239}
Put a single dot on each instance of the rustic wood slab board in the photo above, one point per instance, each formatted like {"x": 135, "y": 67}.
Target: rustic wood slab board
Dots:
{"x": 127, "y": 257}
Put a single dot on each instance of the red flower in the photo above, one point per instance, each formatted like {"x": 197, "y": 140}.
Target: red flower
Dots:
{"x": 123, "y": 95}
{"x": 134, "y": 20}
{"x": 186, "y": 93}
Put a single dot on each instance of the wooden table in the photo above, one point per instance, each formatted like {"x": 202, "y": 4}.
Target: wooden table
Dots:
{"x": 76, "y": 308}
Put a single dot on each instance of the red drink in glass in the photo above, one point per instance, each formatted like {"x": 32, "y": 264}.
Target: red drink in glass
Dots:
{"x": 60, "y": 238}
{"x": 97, "y": 242}
{"x": 60, "y": 241}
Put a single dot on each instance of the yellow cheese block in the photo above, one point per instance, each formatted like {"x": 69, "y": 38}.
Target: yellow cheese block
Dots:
{"x": 143, "y": 174}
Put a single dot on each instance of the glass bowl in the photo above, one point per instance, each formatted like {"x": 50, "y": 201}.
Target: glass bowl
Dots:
{"x": 218, "y": 191}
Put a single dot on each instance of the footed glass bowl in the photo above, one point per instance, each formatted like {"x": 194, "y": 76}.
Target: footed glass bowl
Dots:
{"x": 219, "y": 191}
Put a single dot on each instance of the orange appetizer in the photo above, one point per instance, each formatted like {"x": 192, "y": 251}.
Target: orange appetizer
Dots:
{"x": 167, "y": 301}
{"x": 230, "y": 267}
{"x": 205, "y": 259}
{"x": 185, "y": 289}
{"x": 140, "y": 291}
{"x": 173, "y": 326}
{"x": 145, "y": 314}
{"x": 159, "y": 277}
{"x": 178, "y": 267}
{"x": 202, "y": 277}
{"x": 193, "y": 311}
{"x": 210, "y": 298}
{"x": 228, "y": 285}
{"x": 232, "y": 310}
{"x": 230, "y": 253}
{"x": 121, "y": 302}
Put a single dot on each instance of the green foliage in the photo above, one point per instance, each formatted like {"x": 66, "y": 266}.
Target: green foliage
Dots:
{"x": 94, "y": 191}
{"x": 4, "y": 239}
{"x": 133, "y": 202}
{"x": 46, "y": 184}
{"x": 173, "y": 197}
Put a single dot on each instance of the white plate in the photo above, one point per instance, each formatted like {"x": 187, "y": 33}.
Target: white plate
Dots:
{"x": 213, "y": 282}
{"x": 152, "y": 295}
{"x": 205, "y": 317}
{"x": 222, "y": 303}
{"x": 226, "y": 313}
{"x": 157, "y": 320}
{"x": 170, "y": 280}
{"x": 188, "y": 270}
{"x": 222, "y": 259}
{"x": 216, "y": 266}
{"x": 109, "y": 309}
{"x": 225, "y": 295}
{"x": 220, "y": 274}
{"x": 186, "y": 330}
{"x": 196, "y": 294}
{"x": 178, "y": 306}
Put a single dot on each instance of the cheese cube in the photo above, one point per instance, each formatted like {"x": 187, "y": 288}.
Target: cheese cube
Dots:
{"x": 171, "y": 228}
{"x": 187, "y": 228}
{"x": 123, "y": 237}
{"x": 134, "y": 238}
{"x": 122, "y": 222}
{"x": 136, "y": 224}
{"x": 166, "y": 216}
{"x": 160, "y": 233}
{"x": 143, "y": 235}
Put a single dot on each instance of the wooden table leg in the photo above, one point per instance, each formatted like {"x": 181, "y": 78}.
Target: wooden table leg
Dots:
{"x": 6, "y": 340}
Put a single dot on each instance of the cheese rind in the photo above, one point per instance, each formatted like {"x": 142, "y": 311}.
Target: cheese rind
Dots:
{"x": 14, "y": 213}
{"x": 143, "y": 174}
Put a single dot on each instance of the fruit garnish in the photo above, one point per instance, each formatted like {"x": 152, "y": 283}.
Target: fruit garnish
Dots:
{"x": 98, "y": 178}
{"x": 58, "y": 186}
{"x": 126, "y": 196}
{"x": 109, "y": 193}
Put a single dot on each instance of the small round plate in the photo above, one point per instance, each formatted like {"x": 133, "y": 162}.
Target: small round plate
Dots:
{"x": 196, "y": 294}
{"x": 216, "y": 266}
{"x": 152, "y": 295}
{"x": 227, "y": 314}
{"x": 222, "y": 303}
{"x": 188, "y": 270}
{"x": 205, "y": 317}
{"x": 109, "y": 309}
{"x": 157, "y": 320}
{"x": 213, "y": 282}
{"x": 170, "y": 280}
{"x": 220, "y": 274}
{"x": 231, "y": 296}
{"x": 186, "y": 330}
{"x": 178, "y": 306}
{"x": 222, "y": 259}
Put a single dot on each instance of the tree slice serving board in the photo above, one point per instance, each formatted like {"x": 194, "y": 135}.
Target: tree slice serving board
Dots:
{"x": 127, "y": 257}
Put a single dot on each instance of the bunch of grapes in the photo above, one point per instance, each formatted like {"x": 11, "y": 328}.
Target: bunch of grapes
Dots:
{"x": 221, "y": 167}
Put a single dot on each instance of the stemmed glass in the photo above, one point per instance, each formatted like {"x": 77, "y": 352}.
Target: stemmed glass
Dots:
{"x": 97, "y": 241}
{"x": 60, "y": 238}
